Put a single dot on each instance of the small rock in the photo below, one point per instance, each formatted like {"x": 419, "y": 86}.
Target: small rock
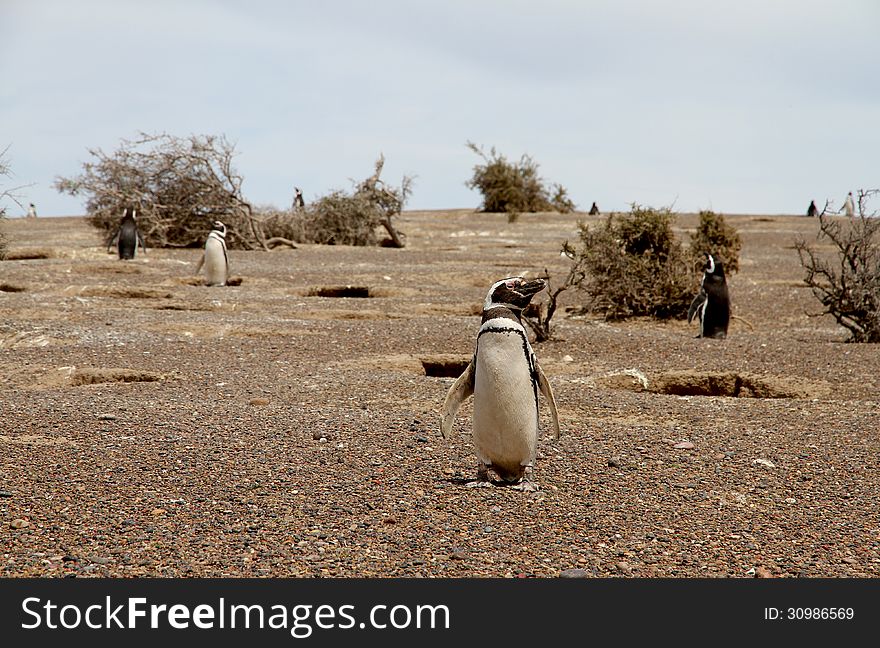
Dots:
{"x": 19, "y": 524}
{"x": 259, "y": 401}
{"x": 448, "y": 471}
{"x": 107, "y": 417}
{"x": 495, "y": 509}
{"x": 576, "y": 572}
{"x": 624, "y": 567}
{"x": 326, "y": 436}
{"x": 790, "y": 500}
{"x": 684, "y": 445}
{"x": 615, "y": 462}
{"x": 763, "y": 572}
{"x": 422, "y": 439}
{"x": 69, "y": 558}
{"x": 567, "y": 358}
{"x": 458, "y": 553}
{"x": 389, "y": 520}
{"x": 100, "y": 560}
{"x": 850, "y": 561}
{"x": 157, "y": 511}
{"x": 5, "y": 493}
{"x": 488, "y": 529}
{"x": 765, "y": 462}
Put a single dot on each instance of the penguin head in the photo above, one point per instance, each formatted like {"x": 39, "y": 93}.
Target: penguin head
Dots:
{"x": 220, "y": 228}
{"x": 714, "y": 269}
{"x": 129, "y": 213}
{"x": 514, "y": 293}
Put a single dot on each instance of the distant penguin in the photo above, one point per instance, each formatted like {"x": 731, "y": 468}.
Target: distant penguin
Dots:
{"x": 812, "y": 211}
{"x": 298, "y": 200}
{"x": 128, "y": 236}
{"x": 594, "y": 211}
{"x": 214, "y": 258}
{"x": 32, "y": 211}
{"x": 504, "y": 378}
{"x": 712, "y": 304}
{"x": 849, "y": 206}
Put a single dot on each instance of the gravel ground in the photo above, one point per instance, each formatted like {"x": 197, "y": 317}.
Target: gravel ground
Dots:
{"x": 153, "y": 427}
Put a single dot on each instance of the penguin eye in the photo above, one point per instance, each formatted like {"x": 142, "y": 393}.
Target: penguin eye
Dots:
{"x": 511, "y": 284}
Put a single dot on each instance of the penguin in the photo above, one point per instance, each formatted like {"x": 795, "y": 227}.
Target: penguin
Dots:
{"x": 32, "y": 211}
{"x": 214, "y": 258}
{"x": 712, "y": 304}
{"x": 504, "y": 378}
{"x": 849, "y": 206}
{"x": 298, "y": 200}
{"x": 812, "y": 210}
{"x": 128, "y": 236}
{"x": 594, "y": 210}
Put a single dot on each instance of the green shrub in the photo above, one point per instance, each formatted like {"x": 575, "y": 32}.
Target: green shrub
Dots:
{"x": 514, "y": 187}
{"x": 714, "y": 236}
{"x": 634, "y": 266}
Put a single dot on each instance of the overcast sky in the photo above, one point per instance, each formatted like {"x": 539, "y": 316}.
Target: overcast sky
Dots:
{"x": 742, "y": 106}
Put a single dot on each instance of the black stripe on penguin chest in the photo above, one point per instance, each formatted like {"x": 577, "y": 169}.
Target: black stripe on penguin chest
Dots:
{"x": 528, "y": 356}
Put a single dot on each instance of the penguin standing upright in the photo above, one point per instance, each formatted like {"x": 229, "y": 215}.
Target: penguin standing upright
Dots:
{"x": 298, "y": 200}
{"x": 214, "y": 258}
{"x": 712, "y": 304}
{"x": 812, "y": 210}
{"x": 504, "y": 378}
{"x": 849, "y": 206}
{"x": 594, "y": 210}
{"x": 128, "y": 236}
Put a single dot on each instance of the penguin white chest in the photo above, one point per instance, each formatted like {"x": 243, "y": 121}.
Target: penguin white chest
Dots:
{"x": 215, "y": 262}
{"x": 505, "y": 431}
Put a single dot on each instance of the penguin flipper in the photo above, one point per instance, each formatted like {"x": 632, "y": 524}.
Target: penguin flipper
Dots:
{"x": 200, "y": 264}
{"x": 114, "y": 240}
{"x": 695, "y": 305}
{"x": 544, "y": 386}
{"x": 461, "y": 389}
{"x": 141, "y": 241}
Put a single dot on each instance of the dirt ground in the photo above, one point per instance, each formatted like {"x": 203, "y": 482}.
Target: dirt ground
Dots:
{"x": 150, "y": 426}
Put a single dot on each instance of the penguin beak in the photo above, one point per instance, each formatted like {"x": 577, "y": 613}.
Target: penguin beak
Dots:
{"x": 530, "y": 288}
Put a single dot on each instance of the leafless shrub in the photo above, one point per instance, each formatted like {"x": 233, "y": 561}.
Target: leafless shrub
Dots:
{"x": 514, "y": 187}
{"x": 848, "y": 283}
{"x": 6, "y": 194}
{"x": 179, "y": 187}
{"x": 538, "y": 318}
{"x": 343, "y": 218}
{"x": 714, "y": 236}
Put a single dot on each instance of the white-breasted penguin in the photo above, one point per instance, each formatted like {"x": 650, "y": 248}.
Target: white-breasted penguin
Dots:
{"x": 128, "y": 236}
{"x": 504, "y": 378}
{"x": 214, "y": 258}
{"x": 712, "y": 303}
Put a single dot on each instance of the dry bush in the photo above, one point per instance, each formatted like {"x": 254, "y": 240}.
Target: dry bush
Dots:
{"x": 179, "y": 187}
{"x": 343, "y": 218}
{"x": 539, "y": 315}
{"x": 848, "y": 283}
{"x": 515, "y": 187}
{"x": 633, "y": 265}
{"x": 6, "y": 194}
{"x": 714, "y": 236}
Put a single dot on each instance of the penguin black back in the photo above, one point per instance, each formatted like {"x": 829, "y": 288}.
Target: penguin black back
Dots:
{"x": 128, "y": 235}
{"x": 812, "y": 210}
{"x": 712, "y": 304}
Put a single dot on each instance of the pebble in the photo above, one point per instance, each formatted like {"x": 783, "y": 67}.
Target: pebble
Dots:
{"x": 765, "y": 462}
{"x": 488, "y": 529}
{"x": 576, "y": 572}
{"x": 319, "y": 436}
{"x": 458, "y": 553}
{"x": 5, "y": 493}
{"x": 19, "y": 524}
{"x": 107, "y": 417}
{"x": 567, "y": 358}
{"x": 259, "y": 401}
{"x": 763, "y": 572}
{"x": 624, "y": 567}
{"x": 100, "y": 560}
{"x": 615, "y": 462}
{"x": 684, "y": 445}
{"x": 158, "y": 511}
{"x": 495, "y": 509}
